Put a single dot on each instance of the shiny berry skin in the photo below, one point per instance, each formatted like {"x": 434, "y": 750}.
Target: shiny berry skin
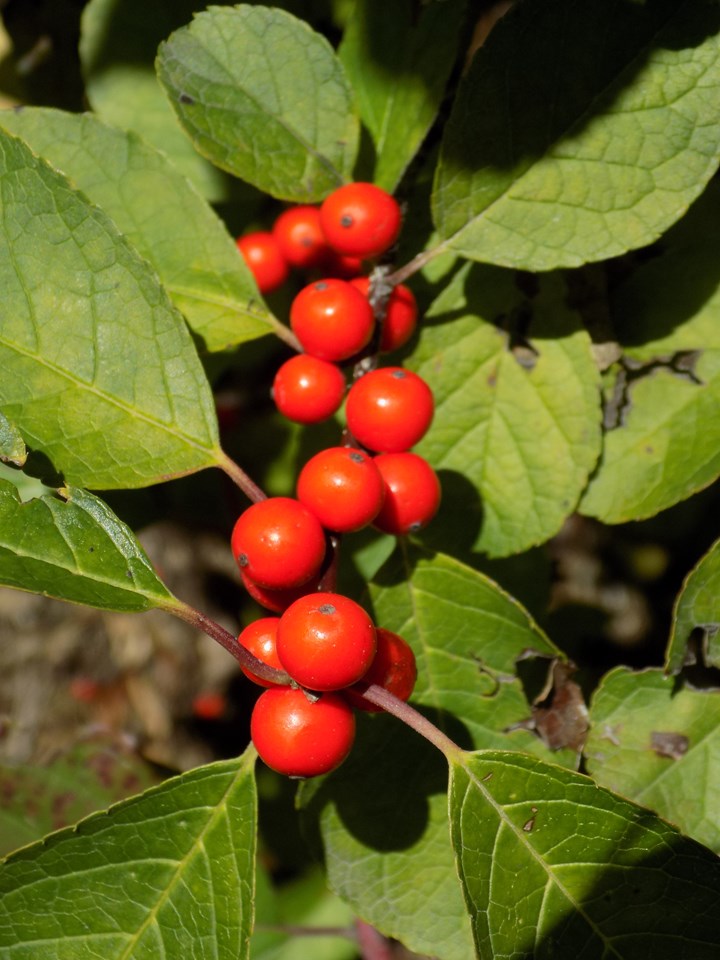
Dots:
{"x": 331, "y": 319}
{"x": 326, "y": 641}
{"x": 342, "y": 487}
{"x": 298, "y": 737}
{"x": 360, "y": 220}
{"x": 412, "y": 493}
{"x": 278, "y": 543}
{"x": 300, "y": 237}
{"x": 393, "y": 668}
{"x": 307, "y": 389}
{"x": 277, "y": 601}
{"x": 389, "y": 409}
{"x": 400, "y": 315}
{"x": 264, "y": 258}
{"x": 259, "y": 637}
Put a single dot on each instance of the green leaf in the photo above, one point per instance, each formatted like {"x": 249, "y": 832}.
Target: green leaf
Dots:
{"x": 697, "y": 608}
{"x": 554, "y": 866}
{"x": 388, "y": 852}
{"x": 659, "y": 745}
{"x": 398, "y": 60}
{"x": 468, "y": 636}
{"x": 161, "y": 214}
{"x": 167, "y": 874}
{"x": 517, "y": 408}
{"x": 90, "y": 776}
{"x": 118, "y": 45}
{"x": 586, "y": 145}
{"x": 667, "y": 446}
{"x": 99, "y": 371}
{"x": 670, "y": 302}
{"x": 264, "y": 97}
{"x": 12, "y": 445}
{"x": 75, "y": 549}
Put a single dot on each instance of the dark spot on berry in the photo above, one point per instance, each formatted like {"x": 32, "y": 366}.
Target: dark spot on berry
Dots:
{"x": 186, "y": 98}
{"x": 398, "y": 374}
{"x": 357, "y": 457}
{"x": 306, "y": 242}
{"x": 326, "y": 608}
{"x": 321, "y": 285}
{"x": 346, "y": 220}
{"x": 414, "y": 527}
{"x": 243, "y": 559}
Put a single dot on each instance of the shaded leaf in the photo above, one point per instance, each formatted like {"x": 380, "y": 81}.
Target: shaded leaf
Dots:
{"x": 90, "y": 776}
{"x": 517, "y": 406}
{"x": 169, "y": 873}
{"x": 75, "y": 549}
{"x": 12, "y": 445}
{"x": 666, "y": 448}
{"x": 552, "y": 865}
{"x": 99, "y": 371}
{"x": 118, "y": 45}
{"x": 398, "y": 61}
{"x": 595, "y": 147}
{"x": 264, "y": 97}
{"x": 697, "y": 608}
{"x": 161, "y": 214}
{"x": 659, "y": 745}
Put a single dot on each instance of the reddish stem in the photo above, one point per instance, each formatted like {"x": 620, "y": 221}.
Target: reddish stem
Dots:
{"x": 251, "y": 490}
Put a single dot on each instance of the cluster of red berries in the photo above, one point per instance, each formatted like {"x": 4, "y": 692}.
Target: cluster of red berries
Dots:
{"x": 323, "y": 641}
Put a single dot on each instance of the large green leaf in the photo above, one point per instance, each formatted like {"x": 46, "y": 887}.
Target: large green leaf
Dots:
{"x": 697, "y": 608}
{"x": 99, "y": 371}
{"x": 118, "y": 45}
{"x": 75, "y": 549}
{"x": 517, "y": 407}
{"x": 264, "y": 97}
{"x": 666, "y": 447}
{"x": 35, "y": 800}
{"x": 161, "y": 214}
{"x": 468, "y": 636}
{"x": 398, "y": 60}
{"x": 167, "y": 874}
{"x": 659, "y": 745}
{"x": 587, "y": 144}
{"x": 554, "y": 866}
{"x": 387, "y": 852}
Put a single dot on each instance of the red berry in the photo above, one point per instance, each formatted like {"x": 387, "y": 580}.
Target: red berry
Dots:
{"x": 278, "y": 543}
{"x": 360, "y": 220}
{"x": 278, "y": 600}
{"x": 326, "y": 641}
{"x": 307, "y": 389}
{"x": 412, "y": 493}
{"x": 342, "y": 487}
{"x": 264, "y": 258}
{"x": 400, "y": 316}
{"x": 209, "y": 706}
{"x": 336, "y": 265}
{"x": 300, "y": 237}
{"x": 298, "y": 737}
{"x": 331, "y": 319}
{"x": 393, "y": 668}
{"x": 259, "y": 638}
{"x": 389, "y": 409}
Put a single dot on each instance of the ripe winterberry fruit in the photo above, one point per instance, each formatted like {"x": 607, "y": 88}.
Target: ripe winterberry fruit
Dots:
{"x": 209, "y": 706}
{"x": 300, "y": 237}
{"x": 400, "y": 315}
{"x": 412, "y": 493}
{"x": 259, "y": 637}
{"x": 393, "y": 668}
{"x": 336, "y": 265}
{"x": 360, "y": 220}
{"x": 389, "y": 409}
{"x": 278, "y": 601}
{"x": 307, "y": 389}
{"x": 326, "y": 641}
{"x": 263, "y": 256}
{"x": 300, "y": 737}
{"x": 342, "y": 487}
{"x": 331, "y": 319}
{"x": 278, "y": 543}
